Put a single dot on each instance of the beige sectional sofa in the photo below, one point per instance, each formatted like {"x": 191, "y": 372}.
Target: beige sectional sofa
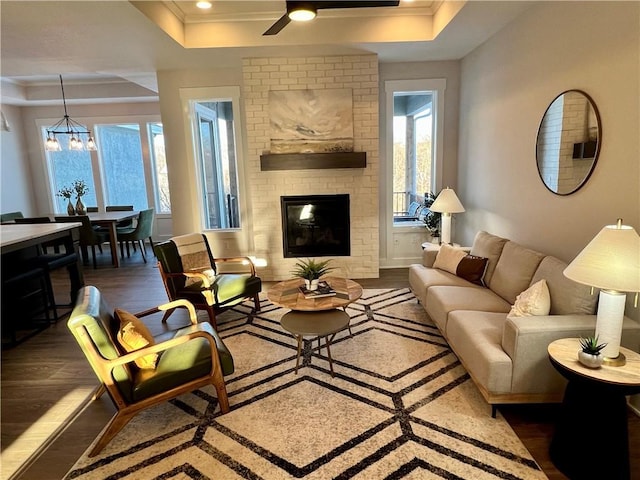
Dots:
{"x": 507, "y": 356}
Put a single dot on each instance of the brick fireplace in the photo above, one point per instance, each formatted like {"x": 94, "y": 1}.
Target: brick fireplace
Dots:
{"x": 358, "y": 73}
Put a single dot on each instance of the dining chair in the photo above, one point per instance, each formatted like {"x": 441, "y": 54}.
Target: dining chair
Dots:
{"x": 121, "y": 208}
{"x": 88, "y": 236}
{"x": 10, "y": 216}
{"x": 142, "y": 231}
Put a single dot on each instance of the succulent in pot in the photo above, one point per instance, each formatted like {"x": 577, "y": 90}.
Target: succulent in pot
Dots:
{"x": 311, "y": 270}
{"x": 590, "y": 354}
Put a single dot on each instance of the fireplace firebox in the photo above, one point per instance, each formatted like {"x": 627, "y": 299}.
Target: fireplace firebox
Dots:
{"x": 316, "y": 226}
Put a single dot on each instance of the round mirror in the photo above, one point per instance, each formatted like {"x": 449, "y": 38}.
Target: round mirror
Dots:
{"x": 568, "y": 142}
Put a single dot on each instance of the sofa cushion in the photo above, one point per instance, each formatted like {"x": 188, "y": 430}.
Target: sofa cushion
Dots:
{"x": 490, "y": 247}
{"x": 477, "y": 338}
{"x": 514, "y": 271}
{"x": 533, "y": 301}
{"x": 567, "y": 297}
{"x": 422, "y": 278}
{"x": 444, "y": 299}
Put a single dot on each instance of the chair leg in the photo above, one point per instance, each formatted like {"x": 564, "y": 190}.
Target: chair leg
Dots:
{"x": 116, "y": 424}
{"x": 128, "y": 251}
{"x": 122, "y": 250}
{"x": 256, "y": 302}
{"x": 221, "y": 392}
{"x": 152, "y": 246}
{"x": 212, "y": 317}
{"x": 141, "y": 242}
{"x": 167, "y": 314}
{"x": 98, "y": 392}
{"x": 93, "y": 256}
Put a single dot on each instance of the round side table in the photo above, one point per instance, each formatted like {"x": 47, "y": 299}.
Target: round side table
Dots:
{"x": 315, "y": 324}
{"x": 591, "y": 439}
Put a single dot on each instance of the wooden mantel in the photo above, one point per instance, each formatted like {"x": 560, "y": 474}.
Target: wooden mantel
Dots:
{"x": 306, "y": 161}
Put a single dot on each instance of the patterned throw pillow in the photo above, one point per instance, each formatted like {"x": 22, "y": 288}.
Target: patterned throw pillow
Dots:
{"x": 133, "y": 335}
{"x": 535, "y": 300}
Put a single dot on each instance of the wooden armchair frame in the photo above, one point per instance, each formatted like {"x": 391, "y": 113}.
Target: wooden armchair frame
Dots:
{"x": 104, "y": 367}
{"x": 207, "y": 298}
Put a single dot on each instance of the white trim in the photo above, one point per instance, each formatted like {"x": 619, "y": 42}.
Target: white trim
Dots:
{"x": 438, "y": 86}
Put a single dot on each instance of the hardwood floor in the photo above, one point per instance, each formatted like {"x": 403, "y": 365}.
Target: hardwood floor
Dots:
{"x": 47, "y": 422}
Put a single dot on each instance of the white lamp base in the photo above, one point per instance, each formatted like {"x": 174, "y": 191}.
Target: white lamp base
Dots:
{"x": 445, "y": 223}
{"x": 609, "y": 325}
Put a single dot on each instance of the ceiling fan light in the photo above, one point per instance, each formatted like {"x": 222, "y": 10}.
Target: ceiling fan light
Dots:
{"x": 302, "y": 13}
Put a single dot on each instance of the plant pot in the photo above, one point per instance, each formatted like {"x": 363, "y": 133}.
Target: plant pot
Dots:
{"x": 70, "y": 209}
{"x": 311, "y": 284}
{"x": 589, "y": 360}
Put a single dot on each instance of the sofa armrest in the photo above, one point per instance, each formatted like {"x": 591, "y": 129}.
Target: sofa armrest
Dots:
{"x": 429, "y": 254}
{"x": 525, "y": 340}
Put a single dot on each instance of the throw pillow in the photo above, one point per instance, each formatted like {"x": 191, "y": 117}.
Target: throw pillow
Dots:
{"x": 448, "y": 258}
{"x": 535, "y": 300}
{"x": 133, "y": 335}
{"x": 472, "y": 269}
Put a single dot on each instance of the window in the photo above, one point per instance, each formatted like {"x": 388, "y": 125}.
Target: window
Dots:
{"x": 159, "y": 161}
{"x": 214, "y": 120}
{"x": 414, "y": 133}
{"x": 66, "y": 166}
{"x": 116, "y": 173}
{"x": 120, "y": 152}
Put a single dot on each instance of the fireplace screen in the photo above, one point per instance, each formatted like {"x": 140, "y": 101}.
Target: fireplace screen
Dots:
{"x": 316, "y": 226}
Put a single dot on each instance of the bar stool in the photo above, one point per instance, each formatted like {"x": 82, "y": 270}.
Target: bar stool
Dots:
{"x": 21, "y": 293}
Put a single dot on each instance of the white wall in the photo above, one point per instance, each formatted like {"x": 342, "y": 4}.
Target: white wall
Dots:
{"x": 507, "y": 84}
{"x": 17, "y": 190}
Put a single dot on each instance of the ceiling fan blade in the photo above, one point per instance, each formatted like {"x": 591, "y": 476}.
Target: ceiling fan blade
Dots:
{"x": 355, "y": 4}
{"x": 282, "y": 22}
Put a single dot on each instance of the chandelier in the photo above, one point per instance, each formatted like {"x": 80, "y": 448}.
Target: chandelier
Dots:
{"x": 67, "y": 126}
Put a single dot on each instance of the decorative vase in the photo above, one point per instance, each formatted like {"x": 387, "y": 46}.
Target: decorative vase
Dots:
{"x": 80, "y": 210}
{"x": 70, "y": 209}
{"x": 311, "y": 284}
{"x": 589, "y": 360}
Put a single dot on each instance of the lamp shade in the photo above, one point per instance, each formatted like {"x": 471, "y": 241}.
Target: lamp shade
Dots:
{"x": 447, "y": 202}
{"x": 611, "y": 261}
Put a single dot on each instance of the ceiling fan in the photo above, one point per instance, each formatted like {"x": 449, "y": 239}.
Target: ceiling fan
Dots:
{"x": 299, "y": 10}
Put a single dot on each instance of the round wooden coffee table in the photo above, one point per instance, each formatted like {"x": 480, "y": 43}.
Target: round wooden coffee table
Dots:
{"x": 286, "y": 294}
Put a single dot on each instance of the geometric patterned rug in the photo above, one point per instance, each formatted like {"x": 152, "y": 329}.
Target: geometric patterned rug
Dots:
{"x": 400, "y": 406}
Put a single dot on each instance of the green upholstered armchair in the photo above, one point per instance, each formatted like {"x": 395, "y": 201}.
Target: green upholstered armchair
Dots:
{"x": 190, "y": 358}
{"x": 189, "y": 271}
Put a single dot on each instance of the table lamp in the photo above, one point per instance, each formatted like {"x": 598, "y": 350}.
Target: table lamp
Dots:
{"x": 610, "y": 262}
{"x": 446, "y": 203}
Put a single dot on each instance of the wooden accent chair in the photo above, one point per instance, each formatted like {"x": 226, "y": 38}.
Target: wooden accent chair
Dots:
{"x": 190, "y": 271}
{"x": 192, "y": 357}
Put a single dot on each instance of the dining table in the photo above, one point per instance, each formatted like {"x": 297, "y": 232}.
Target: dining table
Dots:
{"x": 110, "y": 220}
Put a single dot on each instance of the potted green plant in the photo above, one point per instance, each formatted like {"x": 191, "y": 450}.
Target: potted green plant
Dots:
{"x": 311, "y": 271}
{"x": 431, "y": 219}
{"x": 590, "y": 354}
